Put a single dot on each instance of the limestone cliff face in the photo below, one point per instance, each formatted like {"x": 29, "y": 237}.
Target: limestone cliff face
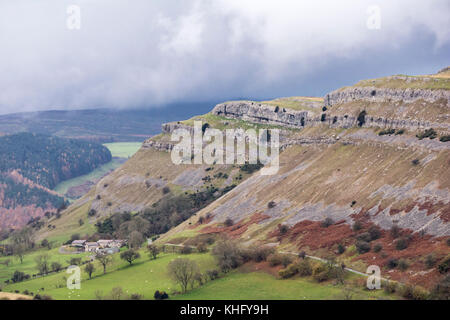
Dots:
{"x": 261, "y": 113}
{"x": 374, "y": 94}
{"x": 267, "y": 114}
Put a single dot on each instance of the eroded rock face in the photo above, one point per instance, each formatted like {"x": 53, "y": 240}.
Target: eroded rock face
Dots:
{"x": 261, "y": 113}
{"x": 374, "y": 94}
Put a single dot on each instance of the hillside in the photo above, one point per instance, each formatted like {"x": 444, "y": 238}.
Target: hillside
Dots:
{"x": 364, "y": 157}
{"x": 32, "y": 164}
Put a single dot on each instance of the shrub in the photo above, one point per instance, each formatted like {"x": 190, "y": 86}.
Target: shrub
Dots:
{"x": 271, "y": 204}
{"x": 327, "y": 222}
{"x": 228, "y": 255}
{"x": 288, "y": 272}
{"x": 166, "y": 190}
{"x": 212, "y": 274}
{"x": 403, "y": 265}
{"x": 304, "y": 268}
{"x": 275, "y": 259}
{"x": 395, "y": 231}
{"x": 186, "y": 250}
{"x": 340, "y": 248}
{"x": 362, "y": 118}
{"x": 400, "y": 132}
{"x": 136, "y": 296}
{"x": 386, "y": 132}
{"x": 413, "y": 292}
{"x": 374, "y": 232}
{"x": 283, "y": 229}
{"x": 260, "y": 254}
{"x": 362, "y": 246}
{"x": 390, "y": 287}
{"x": 448, "y": 242}
{"x": 92, "y": 212}
{"x": 401, "y": 244}
{"x": 320, "y": 273}
{"x": 201, "y": 247}
{"x": 444, "y": 138}
{"x": 302, "y": 254}
{"x": 430, "y": 261}
{"x": 365, "y": 236}
{"x": 415, "y": 162}
{"x": 444, "y": 266}
{"x": 160, "y": 295}
{"x": 228, "y": 222}
{"x": 323, "y": 117}
{"x": 429, "y": 133}
{"x": 357, "y": 226}
{"x": 377, "y": 247}
{"x": 392, "y": 263}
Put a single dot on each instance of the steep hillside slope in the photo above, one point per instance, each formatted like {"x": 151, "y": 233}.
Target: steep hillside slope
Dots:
{"x": 366, "y": 159}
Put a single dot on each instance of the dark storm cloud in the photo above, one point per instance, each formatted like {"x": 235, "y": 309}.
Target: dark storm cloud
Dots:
{"x": 145, "y": 53}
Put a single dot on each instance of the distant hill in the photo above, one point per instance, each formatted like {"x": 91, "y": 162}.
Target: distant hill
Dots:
{"x": 32, "y": 164}
{"x": 100, "y": 125}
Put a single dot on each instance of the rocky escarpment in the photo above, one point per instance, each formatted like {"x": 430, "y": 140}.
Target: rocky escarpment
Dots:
{"x": 267, "y": 114}
{"x": 262, "y": 113}
{"x": 374, "y": 94}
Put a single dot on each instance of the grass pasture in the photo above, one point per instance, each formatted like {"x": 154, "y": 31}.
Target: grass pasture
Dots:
{"x": 146, "y": 276}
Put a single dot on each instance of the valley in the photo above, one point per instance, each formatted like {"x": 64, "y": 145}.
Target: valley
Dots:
{"x": 363, "y": 181}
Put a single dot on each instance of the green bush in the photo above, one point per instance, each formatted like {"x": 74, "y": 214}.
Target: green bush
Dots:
{"x": 444, "y": 138}
{"x": 362, "y": 246}
{"x": 289, "y": 271}
{"x": 430, "y": 261}
{"x": 403, "y": 265}
{"x": 444, "y": 266}
{"x": 401, "y": 244}
{"x": 429, "y": 133}
{"x": 327, "y": 222}
{"x": 390, "y": 287}
{"x": 357, "y": 226}
{"x": 392, "y": 263}
{"x": 377, "y": 247}
{"x": 304, "y": 268}
{"x": 340, "y": 248}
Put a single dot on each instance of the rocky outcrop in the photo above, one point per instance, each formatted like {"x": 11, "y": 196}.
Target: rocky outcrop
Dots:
{"x": 373, "y": 94}
{"x": 262, "y": 113}
{"x": 265, "y": 114}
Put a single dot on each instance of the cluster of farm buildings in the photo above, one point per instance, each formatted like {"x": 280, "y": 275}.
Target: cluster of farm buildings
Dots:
{"x": 102, "y": 246}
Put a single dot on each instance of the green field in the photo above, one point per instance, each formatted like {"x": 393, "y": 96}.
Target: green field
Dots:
{"x": 29, "y": 264}
{"x": 146, "y": 276}
{"x": 123, "y": 149}
{"x": 118, "y": 150}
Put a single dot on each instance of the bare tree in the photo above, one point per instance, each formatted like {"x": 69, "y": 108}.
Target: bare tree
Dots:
{"x": 104, "y": 260}
{"x": 153, "y": 251}
{"x": 19, "y": 251}
{"x": 89, "y": 269}
{"x": 42, "y": 262}
{"x": 183, "y": 272}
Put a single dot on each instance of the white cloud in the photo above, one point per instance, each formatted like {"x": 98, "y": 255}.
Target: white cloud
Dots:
{"x": 141, "y": 52}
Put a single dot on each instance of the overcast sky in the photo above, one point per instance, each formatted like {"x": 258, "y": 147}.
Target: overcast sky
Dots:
{"x": 142, "y": 53}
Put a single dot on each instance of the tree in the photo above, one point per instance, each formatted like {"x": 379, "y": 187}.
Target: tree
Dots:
{"x": 56, "y": 266}
{"x": 130, "y": 256}
{"x": 19, "y": 251}
{"x": 104, "y": 260}
{"x": 228, "y": 255}
{"x": 89, "y": 269}
{"x": 183, "y": 271}
{"x": 42, "y": 262}
{"x": 153, "y": 251}
{"x": 136, "y": 239}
